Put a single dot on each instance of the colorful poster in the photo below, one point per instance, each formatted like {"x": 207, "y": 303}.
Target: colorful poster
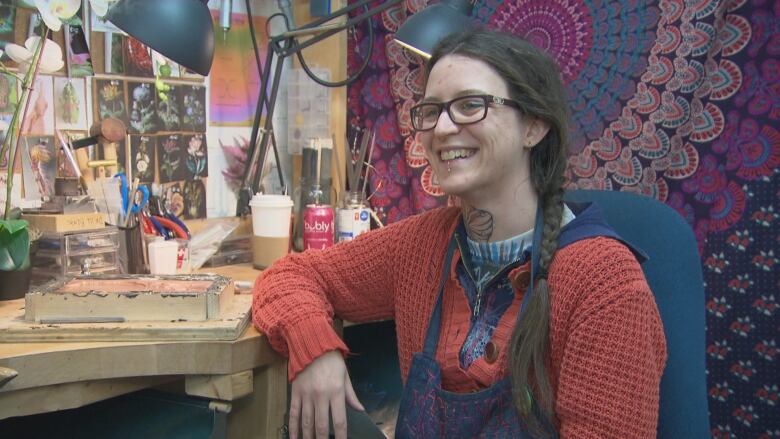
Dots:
{"x": 235, "y": 82}
{"x": 40, "y": 111}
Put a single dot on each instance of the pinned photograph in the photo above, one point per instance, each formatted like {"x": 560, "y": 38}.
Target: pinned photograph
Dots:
{"x": 194, "y": 199}
{"x": 196, "y": 157}
{"x": 138, "y": 58}
{"x": 9, "y": 93}
{"x": 70, "y": 103}
{"x": 142, "y": 155}
{"x": 43, "y": 161}
{"x": 163, "y": 67}
{"x": 143, "y": 117}
{"x": 77, "y": 59}
{"x": 113, "y": 56}
{"x": 40, "y": 112}
{"x": 7, "y": 20}
{"x": 109, "y": 98}
{"x": 173, "y": 198}
{"x": 100, "y": 24}
{"x": 193, "y": 108}
{"x": 171, "y": 155}
{"x": 169, "y": 110}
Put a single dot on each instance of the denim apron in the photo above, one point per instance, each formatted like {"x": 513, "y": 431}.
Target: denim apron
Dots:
{"x": 429, "y": 412}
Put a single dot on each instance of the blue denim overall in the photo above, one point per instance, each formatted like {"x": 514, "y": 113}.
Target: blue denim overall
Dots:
{"x": 429, "y": 412}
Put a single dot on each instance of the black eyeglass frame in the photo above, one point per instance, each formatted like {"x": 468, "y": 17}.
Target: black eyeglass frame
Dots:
{"x": 486, "y": 98}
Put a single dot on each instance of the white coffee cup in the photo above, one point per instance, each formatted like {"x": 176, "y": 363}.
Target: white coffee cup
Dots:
{"x": 163, "y": 256}
{"x": 271, "y": 228}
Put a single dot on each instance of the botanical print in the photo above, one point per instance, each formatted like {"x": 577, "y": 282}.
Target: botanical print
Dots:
{"x": 194, "y": 199}
{"x": 173, "y": 198}
{"x": 77, "y": 57}
{"x": 43, "y": 161}
{"x": 9, "y": 95}
{"x": 197, "y": 165}
{"x": 114, "y": 54}
{"x": 171, "y": 155}
{"x": 7, "y": 19}
{"x": 40, "y": 112}
{"x": 110, "y": 100}
{"x": 138, "y": 59}
{"x": 163, "y": 67}
{"x": 70, "y": 103}
{"x": 142, "y": 115}
{"x": 34, "y": 25}
{"x": 142, "y": 150}
{"x": 169, "y": 110}
{"x": 194, "y": 108}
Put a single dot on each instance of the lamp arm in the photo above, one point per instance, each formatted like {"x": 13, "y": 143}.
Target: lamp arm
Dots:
{"x": 280, "y": 47}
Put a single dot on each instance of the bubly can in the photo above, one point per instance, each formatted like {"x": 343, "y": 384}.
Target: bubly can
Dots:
{"x": 352, "y": 221}
{"x": 318, "y": 227}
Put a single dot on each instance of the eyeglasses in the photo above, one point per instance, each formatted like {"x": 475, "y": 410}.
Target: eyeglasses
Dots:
{"x": 464, "y": 110}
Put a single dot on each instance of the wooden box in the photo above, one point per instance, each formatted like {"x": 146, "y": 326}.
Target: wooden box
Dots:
{"x": 128, "y": 298}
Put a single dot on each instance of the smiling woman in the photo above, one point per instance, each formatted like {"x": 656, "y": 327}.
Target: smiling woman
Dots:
{"x": 505, "y": 305}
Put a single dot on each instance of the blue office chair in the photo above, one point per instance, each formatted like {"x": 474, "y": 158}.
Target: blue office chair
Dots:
{"x": 673, "y": 272}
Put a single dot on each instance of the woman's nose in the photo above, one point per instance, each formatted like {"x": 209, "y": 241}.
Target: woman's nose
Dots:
{"x": 445, "y": 125}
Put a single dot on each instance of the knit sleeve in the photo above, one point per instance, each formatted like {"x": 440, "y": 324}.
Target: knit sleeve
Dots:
{"x": 294, "y": 300}
{"x": 613, "y": 354}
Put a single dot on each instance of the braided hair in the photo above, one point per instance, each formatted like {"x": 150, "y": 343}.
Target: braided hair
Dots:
{"x": 534, "y": 81}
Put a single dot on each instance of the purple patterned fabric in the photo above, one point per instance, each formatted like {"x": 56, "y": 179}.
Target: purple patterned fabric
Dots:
{"x": 674, "y": 99}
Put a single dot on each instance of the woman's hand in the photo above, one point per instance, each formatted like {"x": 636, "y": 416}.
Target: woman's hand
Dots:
{"x": 321, "y": 388}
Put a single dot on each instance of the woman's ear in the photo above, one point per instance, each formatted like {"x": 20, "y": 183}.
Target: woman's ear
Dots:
{"x": 535, "y": 132}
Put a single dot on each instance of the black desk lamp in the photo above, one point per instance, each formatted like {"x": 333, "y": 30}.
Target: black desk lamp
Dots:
{"x": 181, "y": 30}
{"x": 419, "y": 35}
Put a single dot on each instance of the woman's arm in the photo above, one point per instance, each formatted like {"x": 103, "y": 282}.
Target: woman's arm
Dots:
{"x": 296, "y": 298}
{"x": 612, "y": 351}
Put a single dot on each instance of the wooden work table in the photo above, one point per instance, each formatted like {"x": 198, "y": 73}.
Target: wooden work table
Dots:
{"x": 244, "y": 376}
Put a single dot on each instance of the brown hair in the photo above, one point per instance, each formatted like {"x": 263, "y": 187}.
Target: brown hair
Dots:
{"x": 534, "y": 81}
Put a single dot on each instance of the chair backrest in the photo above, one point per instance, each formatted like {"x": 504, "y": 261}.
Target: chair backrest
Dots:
{"x": 674, "y": 274}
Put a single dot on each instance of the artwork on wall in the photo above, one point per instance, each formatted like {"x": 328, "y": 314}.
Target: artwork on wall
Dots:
{"x": 169, "y": 110}
{"x": 170, "y": 153}
{"x": 163, "y": 67}
{"x": 9, "y": 93}
{"x": 70, "y": 103}
{"x": 142, "y": 153}
{"x": 196, "y": 156}
{"x": 40, "y": 112}
{"x": 193, "y": 108}
{"x": 194, "y": 193}
{"x": 143, "y": 118}
{"x": 99, "y": 24}
{"x": 77, "y": 59}
{"x": 113, "y": 55}
{"x": 173, "y": 198}
{"x": 7, "y": 20}
{"x": 137, "y": 58}
{"x": 43, "y": 161}
{"x": 109, "y": 98}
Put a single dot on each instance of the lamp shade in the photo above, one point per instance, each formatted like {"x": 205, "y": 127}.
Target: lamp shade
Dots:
{"x": 423, "y": 30}
{"x": 179, "y": 29}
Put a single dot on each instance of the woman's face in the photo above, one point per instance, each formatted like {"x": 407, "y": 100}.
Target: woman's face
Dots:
{"x": 490, "y": 155}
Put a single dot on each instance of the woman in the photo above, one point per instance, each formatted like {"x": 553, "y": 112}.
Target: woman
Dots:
{"x": 484, "y": 352}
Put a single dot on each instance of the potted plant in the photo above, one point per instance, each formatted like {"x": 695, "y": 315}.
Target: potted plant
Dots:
{"x": 37, "y": 55}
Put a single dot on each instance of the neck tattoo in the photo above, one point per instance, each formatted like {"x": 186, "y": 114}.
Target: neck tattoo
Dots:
{"x": 479, "y": 224}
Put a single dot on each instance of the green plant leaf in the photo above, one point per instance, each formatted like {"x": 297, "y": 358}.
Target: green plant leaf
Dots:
{"x": 14, "y": 245}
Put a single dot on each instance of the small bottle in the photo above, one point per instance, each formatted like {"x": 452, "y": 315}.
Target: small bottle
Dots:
{"x": 354, "y": 218}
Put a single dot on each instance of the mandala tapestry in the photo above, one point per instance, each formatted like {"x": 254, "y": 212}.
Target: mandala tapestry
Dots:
{"x": 675, "y": 99}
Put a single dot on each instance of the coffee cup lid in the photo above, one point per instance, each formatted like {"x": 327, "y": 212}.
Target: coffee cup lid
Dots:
{"x": 271, "y": 200}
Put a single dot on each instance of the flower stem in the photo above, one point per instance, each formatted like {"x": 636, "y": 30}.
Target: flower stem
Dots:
{"x": 14, "y": 130}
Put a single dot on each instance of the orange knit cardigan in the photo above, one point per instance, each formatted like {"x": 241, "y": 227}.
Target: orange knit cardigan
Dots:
{"x": 606, "y": 344}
